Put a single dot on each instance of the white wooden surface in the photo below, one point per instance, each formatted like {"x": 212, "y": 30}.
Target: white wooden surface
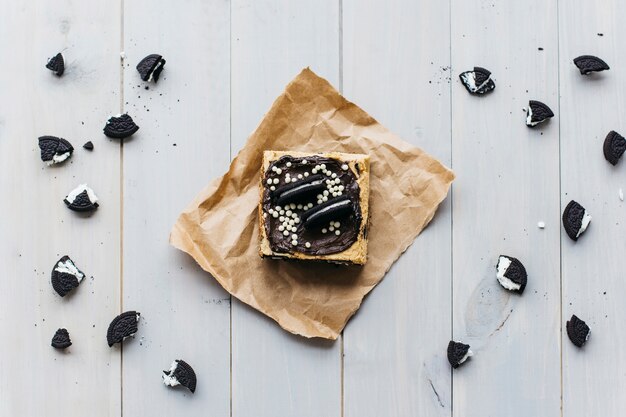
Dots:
{"x": 227, "y": 61}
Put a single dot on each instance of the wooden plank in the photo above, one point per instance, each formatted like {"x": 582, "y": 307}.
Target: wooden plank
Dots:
{"x": 275, "y": 373}
{"x": 592, "y": 276}
{"x": 394, "y": 348}
{"x": 508, "y": 181}
{"x": 36, "y": 227}
{"x": 182, "y": 143}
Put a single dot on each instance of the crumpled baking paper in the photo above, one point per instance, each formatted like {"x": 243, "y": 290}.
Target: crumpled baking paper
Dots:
{"x": 219, "y": 229}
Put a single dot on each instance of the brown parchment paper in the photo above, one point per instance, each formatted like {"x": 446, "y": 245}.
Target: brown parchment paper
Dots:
{"x": 220, "y": 228}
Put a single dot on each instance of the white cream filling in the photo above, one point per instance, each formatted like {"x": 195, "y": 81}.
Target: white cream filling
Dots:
{"x": 503, "y": 265}
{"x": 584, "y": 224}
{"x": 300, "y": 187}
{"x": 68, "y": 267}
{"x": 170, "y": 380}
{"x": 76, "y": 191}
{"x": 132, "y": 334}
{"x": 529, "y": 117}
{"x": 56, "y": 159}
{"x": 466, "y": 357}
{"x": 159, "y": 65}
{"x": 332, "y": 206}
{"x": 470, "y": 80}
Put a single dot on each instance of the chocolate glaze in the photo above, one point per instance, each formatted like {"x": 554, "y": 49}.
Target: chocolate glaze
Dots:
{"x": 321, "y": 243}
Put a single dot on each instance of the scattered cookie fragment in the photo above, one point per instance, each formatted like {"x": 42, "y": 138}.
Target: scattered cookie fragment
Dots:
{"x": 511, "y": 274}
{"x": 180, "y": 373}
{"x": 56, "y": 64}
{"x": 577, "y": 331}
{"x": 88, "y": 146}
{"x": 65, "y": 276}
{"x": 575, "y": 220}
{"x": 120, "y": 126}
{"x": 458, "y": 353}
{"x": 589, "y": 63}
{"x": 150, "y": 67}
{"x": 537, "y": 112}
{"x": 477, "y": 81}
{"x": 614, "y": 147}
{"x": 541, "y": 225}
{"x": 61, "y": 339}
{"x": 81, "y": 198}
{"x": 54, "y": 150}
{"x": 122, "y": 327}
{"x": 620, "y": 194}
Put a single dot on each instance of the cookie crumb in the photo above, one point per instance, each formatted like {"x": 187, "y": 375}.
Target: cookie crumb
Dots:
{"x": 541, "y": 225}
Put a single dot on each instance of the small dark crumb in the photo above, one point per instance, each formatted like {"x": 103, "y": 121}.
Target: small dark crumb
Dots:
{"x": 600, "y": 34}
{"x": 540, "y": 48}
{"x": 147, "y": 87}
{"x": 173, "y": 144}
{"x": 88, "y": 146}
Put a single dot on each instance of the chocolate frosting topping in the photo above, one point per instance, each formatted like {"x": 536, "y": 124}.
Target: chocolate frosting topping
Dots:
{"x": 319, "y": 243}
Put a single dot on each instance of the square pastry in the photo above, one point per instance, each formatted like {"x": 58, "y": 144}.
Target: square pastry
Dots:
{"x": 314, "y": 206}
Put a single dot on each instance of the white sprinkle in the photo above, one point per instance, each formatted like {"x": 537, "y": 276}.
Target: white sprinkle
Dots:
{"x": 310, "y": 205}
{"x": 281, "y": 218}
{"x": 275, "y": 214}
{"x": 294, "y": 236}
{"x": 306, "y": 174}
{"x": 276, "y": 180}
{"x": 328, "y": 173}
{"x": 279, "y": 171}
{"x": 271, "y": 210}
{"x": 337, "y": 181}
{"x": 294, "y": 179}
{"x": 320, "y": 201}
{"x": 291, "y": 222}
{"x": 299, "y": 206}
{"x": 288, "y": 213}
{"x": 340, "y": 188}
{"x": 324, "y": 199}
{"x": 279, "y": 208}
{"x": 324, "y": 230}
{"x": 328, "y": 182}
{"x": 304, "y": 162}
{"x": 274, "y": 169}
{"x": 339, "y": 193}
{"x": 292, "y": 206}
{"x": 337, "y": 232}
{"x": 265, "y": 215}
{"x": 300, "y": 176}
{"x": 323, "y": 166}
{"x": 288, "y": 164}
{"x": 541, "y": 225}
{"x": 297, "y": 220}
{"x": 281, "y": 228}
{"x": 294, "y": 242}
{"x": 334, "y": 194}
{"x": 331, "y": 228}
{"x": 344, "y": 167}
{"x": 122, "y": 54}
{"x": 337, "y": 224}
{"x": 307, "y": 244}
{"x": 325, "y": 193}
{"x": 319, "y": 196}
{"x": 282, "y": 212}
{"x": 270, "y": 181}
{"x": 334, "y": 175}
{"x": 286, "y": 233}
{"x": 621, "y": 194}
{"x": 272, "y": 188}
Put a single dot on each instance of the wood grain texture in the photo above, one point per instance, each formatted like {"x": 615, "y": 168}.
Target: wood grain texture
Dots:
{"x": 275, "y": 373}
{"x": 507, "y": 181}
{"x": 394, "y": 348}
{"x": 183, "y": 142}
{"x": 593, "y": 377}
{"x": 36, "y": 228}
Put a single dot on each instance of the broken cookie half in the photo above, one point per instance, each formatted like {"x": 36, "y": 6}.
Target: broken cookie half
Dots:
{"x": 56, "y": 64}
{"x": 61, "y": 339}
{"x": 477, "y": 81}
{"x": 150, "y": 67}
{"x": 511, "y": 274}
{"x": 81, "y": 198}
{"x": 122, "y": 327}
{"x": 180, "y": 373}
{"x": 65, "y": 276}
{"x": 458, "y": 353}
{"x": 54, "y": 150}
{"x": 587, "y": 64}
{"x": 537, "y": 112}
{"x": 577, "y": 331}
{"x": 120, "y": 126}
{"x": 614, "y": 147}
{"x": 576, "y": 219}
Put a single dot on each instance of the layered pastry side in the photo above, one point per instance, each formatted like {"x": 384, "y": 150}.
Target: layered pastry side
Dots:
{"x": 314, "y": 206}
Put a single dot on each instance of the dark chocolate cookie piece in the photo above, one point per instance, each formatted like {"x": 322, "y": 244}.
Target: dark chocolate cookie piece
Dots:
{"x": 180, "y": 373}
{"x": 589, "y": 63}
{"x": 54, "y": 150}
{"x": 333, "y": 209}
{"x": 458, "y": 353}
{"x": 575, "y": 220}
{"x": 477, "y": 81}
{"x": 88, "y": 146}
{"x": 614, "y": 147}
{"x": 577, "y": 331}
{"x": 122, "y": 327}
{"x": 120, "y": 126}
{"x": 537, "y": 112}
{"x": 56, "y": 64}
{"x": 150, "y": 67}
{"x": 511, "y": 274}
{"x": 61, "y": 339}
{"x": 65, "y": 276}
{"x": 82, "y": 198}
